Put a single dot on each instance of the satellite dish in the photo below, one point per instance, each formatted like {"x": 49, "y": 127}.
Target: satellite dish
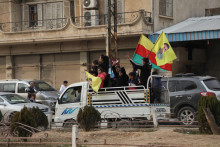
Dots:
{"x": 86, "y": 3}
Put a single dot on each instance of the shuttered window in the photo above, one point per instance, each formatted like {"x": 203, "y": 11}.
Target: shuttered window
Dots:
{"x": 166, "y": 8}
{"x": 33, "y": 16}
{"x": 120, "y": 11}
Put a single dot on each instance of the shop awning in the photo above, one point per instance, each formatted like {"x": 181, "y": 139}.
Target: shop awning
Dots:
{"x": 200, "y": 28}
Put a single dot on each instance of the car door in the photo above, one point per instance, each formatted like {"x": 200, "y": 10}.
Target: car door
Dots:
{"x": 176, "y": 93}
{"x": 21, "y": 89}
{"x": 192, "y": 92}
{"x": 69, "y": 104}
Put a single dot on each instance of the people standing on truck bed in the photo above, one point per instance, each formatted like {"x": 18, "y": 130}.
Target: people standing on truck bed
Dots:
{"x": 145, "y": 70}
{"x": 156, "y": 88}
{"x": 115, "y": 69}
{"x": 102, "y": 75}
{"x": 132, "y": 80}
{"x": 122, "y": 78}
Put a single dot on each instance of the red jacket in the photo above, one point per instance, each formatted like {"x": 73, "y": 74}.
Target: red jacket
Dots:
{"x": 102, "y": 76}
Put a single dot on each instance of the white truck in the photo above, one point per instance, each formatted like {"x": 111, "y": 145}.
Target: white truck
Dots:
{"x": 114, "y": 103}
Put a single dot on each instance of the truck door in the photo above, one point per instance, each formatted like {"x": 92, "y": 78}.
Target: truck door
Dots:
{"x": 69, "y": 104}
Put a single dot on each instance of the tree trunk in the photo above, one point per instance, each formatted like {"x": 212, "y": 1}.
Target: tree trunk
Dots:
{"x": 211, "y": 120}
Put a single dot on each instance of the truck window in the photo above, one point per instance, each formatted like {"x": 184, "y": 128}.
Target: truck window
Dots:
{"x": 22, "y": 87}
{"x": 72, "y": 95}
{"x": 9, "y": 87}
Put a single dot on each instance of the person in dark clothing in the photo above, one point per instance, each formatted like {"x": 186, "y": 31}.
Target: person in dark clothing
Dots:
{"x": 132, "y": 80}
{"x": 156, "y": 88}
{"x": 115, "y": 69}
{"x": 122, "y": 78}
{"x": 94, "y": 70}
{"x": 31, "y": 92}
{"x": 104, "y": 63}
{"x": 145, "y": 70}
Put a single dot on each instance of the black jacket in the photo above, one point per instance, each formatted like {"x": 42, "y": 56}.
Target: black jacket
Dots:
{"x": 122, "y": 80}
{"x": 145, "y": 71}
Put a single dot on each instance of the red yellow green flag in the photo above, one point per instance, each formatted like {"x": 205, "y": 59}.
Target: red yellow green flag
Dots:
{"x": 145, "y": 49}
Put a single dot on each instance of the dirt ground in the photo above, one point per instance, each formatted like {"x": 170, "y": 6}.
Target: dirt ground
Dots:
{"x": 145, "y": 137}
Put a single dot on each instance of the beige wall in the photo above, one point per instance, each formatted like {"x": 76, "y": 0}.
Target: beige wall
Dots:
{"x": 2, "y": 67}
{"x": 182, "y": 10}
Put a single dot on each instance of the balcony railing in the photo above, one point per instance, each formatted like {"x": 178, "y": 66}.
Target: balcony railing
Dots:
{"x": 79, "y": 21}
{"x": 122, "y": 18}
{"x": 47, "y": 24}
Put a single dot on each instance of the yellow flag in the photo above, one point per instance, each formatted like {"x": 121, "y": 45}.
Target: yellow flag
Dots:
{"x": 94, "y": 82}
{"x": 163, "y": 50}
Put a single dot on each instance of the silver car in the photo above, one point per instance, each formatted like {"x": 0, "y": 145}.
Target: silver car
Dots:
{"x": 46, "y": 94}
{"x": 11, "y": 103}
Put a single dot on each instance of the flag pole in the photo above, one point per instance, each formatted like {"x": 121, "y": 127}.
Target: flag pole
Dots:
{"x": 154, "y": 45}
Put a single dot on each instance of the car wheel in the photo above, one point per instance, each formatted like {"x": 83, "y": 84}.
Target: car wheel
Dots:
{"x": 186, "y": 115}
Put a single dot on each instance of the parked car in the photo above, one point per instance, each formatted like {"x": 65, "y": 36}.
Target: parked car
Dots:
{"x": 11, "y": 103}
{"x": 185, "y": 92}
{"x": 46, "y": 94}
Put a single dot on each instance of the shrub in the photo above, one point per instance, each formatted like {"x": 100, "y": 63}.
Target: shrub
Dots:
{"x": 40, "y": 117}
{"x": 0, "y": 116}
{"x": 32, "y": 117}
{"x": 88, "y": 117}
{"x": 213, "y": 104}
{"x": 25, "y": 117}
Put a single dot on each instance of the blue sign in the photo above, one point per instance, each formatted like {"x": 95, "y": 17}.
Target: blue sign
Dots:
{"x": 69, "y": 111}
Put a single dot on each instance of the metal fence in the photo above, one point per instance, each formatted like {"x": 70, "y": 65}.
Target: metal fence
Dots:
{"x": 47, "y": 24}
{"x": 90, "y": 19}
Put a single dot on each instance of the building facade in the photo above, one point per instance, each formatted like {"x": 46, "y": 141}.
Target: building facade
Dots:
{"x": 52, "y": 39}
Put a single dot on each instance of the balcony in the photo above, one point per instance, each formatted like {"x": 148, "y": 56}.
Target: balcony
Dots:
{"x": 89, "y": 19}
{"x": 74, "y": 28}
{"x": 48, "y": 24}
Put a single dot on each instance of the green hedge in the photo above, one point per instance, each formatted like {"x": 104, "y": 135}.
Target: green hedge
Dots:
{"x": 88, "y": 117}
{"x": 213, "y": 104}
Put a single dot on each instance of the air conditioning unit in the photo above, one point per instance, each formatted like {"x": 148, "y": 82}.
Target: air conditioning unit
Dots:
{"x": 89, "y": 4}
{"x": 91, "y": 17}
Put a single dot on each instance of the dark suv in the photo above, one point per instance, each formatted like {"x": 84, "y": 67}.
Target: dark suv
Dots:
{"x": 185, "y": 90}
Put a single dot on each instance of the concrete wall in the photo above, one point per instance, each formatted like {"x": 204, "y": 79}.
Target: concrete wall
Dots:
{"x": 182, "y": 10}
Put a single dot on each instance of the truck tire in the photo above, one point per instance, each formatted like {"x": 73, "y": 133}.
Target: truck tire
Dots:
{"x": 186, "y": 115}
{"x": 68, "y": 123}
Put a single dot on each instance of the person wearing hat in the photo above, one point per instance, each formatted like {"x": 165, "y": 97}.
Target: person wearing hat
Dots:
{"x": 145, "y": 70}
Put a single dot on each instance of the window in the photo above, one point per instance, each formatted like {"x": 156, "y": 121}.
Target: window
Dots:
{"x": 72, "y": 95}
{"x": 33, "y": 16}
{"x": 22, "y": 87}
{"x": 43, "y": 86}
{"x": 174, "y": 86}
{"x": 72, "y": 10}
{"x": 212, "y": 84}
{"x": 9, "y": 87}
{"x": 166, "y": 8}
{"x": 188, "y": 85}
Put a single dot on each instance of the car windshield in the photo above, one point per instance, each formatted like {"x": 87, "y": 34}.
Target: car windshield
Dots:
{"x": 42, "y": 86}
{"x": 14, "y": 99}
{"x": 212, "y": 84}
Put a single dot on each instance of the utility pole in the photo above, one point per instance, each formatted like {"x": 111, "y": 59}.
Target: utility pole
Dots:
{"x": 112, "y": 12}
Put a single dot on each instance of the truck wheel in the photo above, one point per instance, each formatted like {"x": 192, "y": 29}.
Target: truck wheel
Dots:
{"x": 69, "y": 123}
{"x": 186, "y": 115}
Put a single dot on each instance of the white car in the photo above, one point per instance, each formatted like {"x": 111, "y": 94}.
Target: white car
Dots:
{"x": 11, "y": 103}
